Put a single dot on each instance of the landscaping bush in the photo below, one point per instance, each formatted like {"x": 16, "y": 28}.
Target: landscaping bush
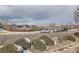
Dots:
{"x": 71, "y": 38}
{"x": 48, "y": 40}
{"x": 22, "y": 42}
{"x": 10, "y": 48}
{"x": 76, "y": 34}
{"x": 37, "y": 44}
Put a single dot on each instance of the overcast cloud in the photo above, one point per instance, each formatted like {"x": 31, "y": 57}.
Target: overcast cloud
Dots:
{"x": 37, "y": 14}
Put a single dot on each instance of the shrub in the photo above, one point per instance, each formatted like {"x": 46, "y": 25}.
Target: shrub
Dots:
{"x": 10, "y": 48}
{"x": 37, "y": 44}
{"x": 48, "y": 40}
{"x": 76, "y": 34}
{"x": 22, "y": 42}
{"x": 71, "y": 38}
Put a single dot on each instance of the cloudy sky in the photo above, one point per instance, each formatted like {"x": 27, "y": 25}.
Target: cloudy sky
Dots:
{"x": 37, "y": 14}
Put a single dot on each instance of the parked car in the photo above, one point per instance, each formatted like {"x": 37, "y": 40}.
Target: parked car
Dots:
{"x": 44, "y": 31}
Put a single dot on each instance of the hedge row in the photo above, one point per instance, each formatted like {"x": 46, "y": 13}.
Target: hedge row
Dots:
{"x": 22, "y": 42}
{"x": 71, "y": 38}
{"x": 76, "y": 34}
{"x": 37, "y": 44}
{"x": 48, "y": 40}
{"x": 10, "y": 48}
